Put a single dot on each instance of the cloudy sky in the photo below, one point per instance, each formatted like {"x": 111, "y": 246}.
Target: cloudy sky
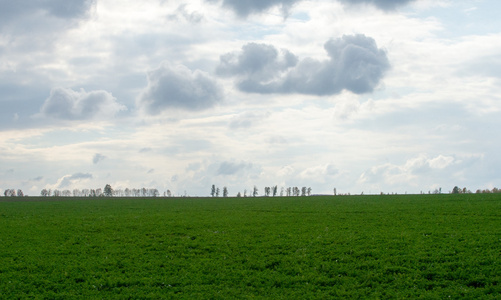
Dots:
{"x": 361, "y": 96}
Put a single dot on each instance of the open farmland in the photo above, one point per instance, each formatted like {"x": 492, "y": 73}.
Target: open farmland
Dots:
{"x": 405, "y": 246}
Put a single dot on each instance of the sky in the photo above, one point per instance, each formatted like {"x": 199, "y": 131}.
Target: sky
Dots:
{"x": 363, "y": 96}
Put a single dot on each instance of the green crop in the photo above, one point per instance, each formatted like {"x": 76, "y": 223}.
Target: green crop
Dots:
{"x": 401, "y": 247}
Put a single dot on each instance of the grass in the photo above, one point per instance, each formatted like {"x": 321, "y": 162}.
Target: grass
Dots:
{"x": 401, "y": 246}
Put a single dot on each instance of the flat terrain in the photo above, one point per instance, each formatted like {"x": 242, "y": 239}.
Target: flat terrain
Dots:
{"x": 402, "y": 246}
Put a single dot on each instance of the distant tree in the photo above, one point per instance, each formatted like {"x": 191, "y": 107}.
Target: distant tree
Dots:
{"x": 245, "y": 192}
{"x": 303, "y": 191}
{"x": 108, "y": 191}
{"x": 217, "y": 192}
{"x": 281, "y": 191}
{"x": 20, "y": 193}
{"x": 213, "y": 190}
{"x": 44, "y": 193}
{"x": 308, "y": 191}
{"x": 266, "y": 191}
{"x": 225, "y": 192}
{"x": 335, "y": 192}
{"x": 169, "y": 194}
{"x": 239, "y": 195}
{"x": 254, "y": 191}
{"x": 9, "y": 193}
{"x": 456, "y": 190}
{"x": 56, "y": 193}
{"x": 274, "y": 190}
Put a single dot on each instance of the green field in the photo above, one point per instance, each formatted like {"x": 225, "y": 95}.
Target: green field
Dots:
{"x": 405, "y": 246}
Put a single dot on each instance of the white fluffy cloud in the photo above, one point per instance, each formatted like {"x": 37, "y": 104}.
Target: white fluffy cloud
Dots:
{"x": 67, "y": 104}
{"x": 355, "y": 64}
{"x": 177, "y": 87}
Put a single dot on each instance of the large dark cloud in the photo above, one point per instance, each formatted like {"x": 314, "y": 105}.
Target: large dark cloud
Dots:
{"x": 177, "y": 87}
{"x": 247, "y": 7}
{"x": 381, "y": 4}
{"x": 355, "y": 64}
{"x": 29, "y": 13}
{"x": 67, "y": 104}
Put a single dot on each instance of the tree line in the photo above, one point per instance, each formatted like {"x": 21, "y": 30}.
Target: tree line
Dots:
{"x": 108, "y": 191}
{"x": 269, "y": 191}
{"x": 457, "y": 190}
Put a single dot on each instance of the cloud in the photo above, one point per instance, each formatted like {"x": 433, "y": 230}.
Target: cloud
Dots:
{"x": 230, "y": 168}
{"x": 26, "y": 15}
{"x": 408, "y": 172}
{"x": 69, "y": 9}
{"x": 245, "y": 8}
{"x": 58, "y": 8}
{"x": 97, "y": 158}
{"x": 67, "y": 180}
{"x": 381, "y": 4}
{"x": 247, "y": 120}
{"x": 181, "y": 11}
{"x": 67, "y": 104}
{"x": 248, "y": 7}
{"x": 355, "y": 64}
{"x": 177, "y": 87}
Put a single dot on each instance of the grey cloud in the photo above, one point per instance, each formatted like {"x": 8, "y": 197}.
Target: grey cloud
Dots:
{"x": 230, "y": 168}
{"x": 69, "y": 9}
{"x": 381, "y": 4}
{"x": 39, "y": 178}
{"x": 258, "y": 62}
{"x": 247, "y": 7}
{"x": 67, "y": 104}
{"x": 178, "y": 87}
{"x": 355, "y": 63}
{"x": 69, "y": 179}
{"x": 30, "y": 14}
{"x": 97, "y": 158}
{"x": 181, "y": 11}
